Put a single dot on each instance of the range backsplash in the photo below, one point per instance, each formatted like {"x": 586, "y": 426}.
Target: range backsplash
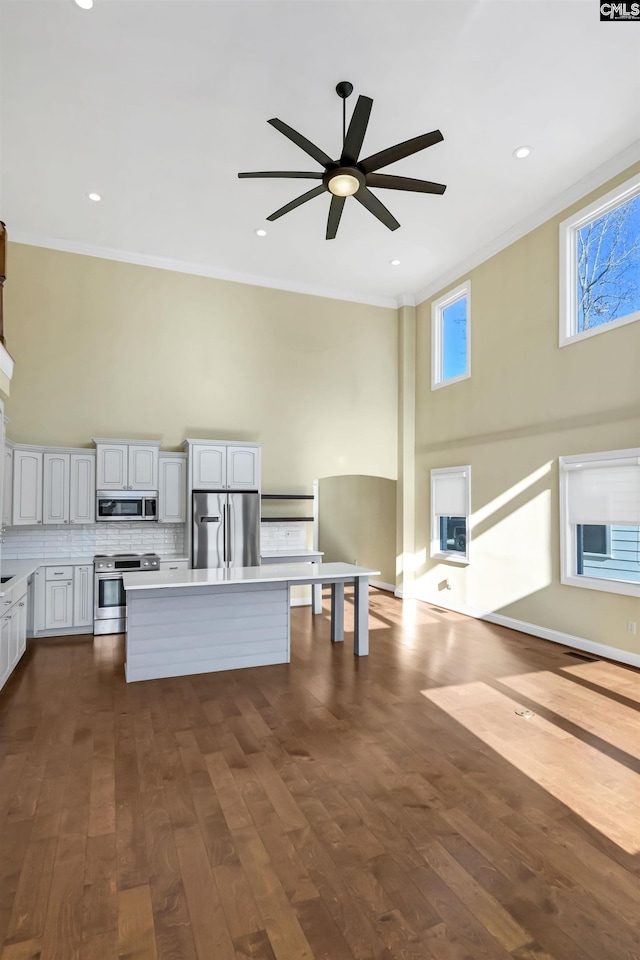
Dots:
{"x": 85, "y": 540}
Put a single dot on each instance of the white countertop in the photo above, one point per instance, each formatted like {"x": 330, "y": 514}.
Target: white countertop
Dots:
{"x": 19, "y": 571}
{"x": 272, "y": 573}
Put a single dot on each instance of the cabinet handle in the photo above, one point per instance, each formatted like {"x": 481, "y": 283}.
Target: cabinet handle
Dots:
{"x": 21, "y": 604}
{"x": 68, "y": 583}
{"x": 58, "y": 573}
{"x": 8, "y": 616}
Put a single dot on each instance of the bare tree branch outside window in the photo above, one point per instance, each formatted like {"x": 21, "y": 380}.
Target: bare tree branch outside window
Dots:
{"x": 609, "y": 266}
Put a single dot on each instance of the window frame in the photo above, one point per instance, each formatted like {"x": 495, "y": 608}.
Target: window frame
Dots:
{"x": 569, "y": 229}
{"x": 454, "y": 556}
{"x": 437, "y": 339}
{"x": 568, "y": 532}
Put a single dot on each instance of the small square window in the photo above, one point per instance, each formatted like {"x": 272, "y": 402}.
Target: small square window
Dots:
{"x": 450, "y": 330}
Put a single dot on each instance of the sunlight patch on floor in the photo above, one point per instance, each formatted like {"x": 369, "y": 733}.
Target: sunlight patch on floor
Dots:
{"x": 597, "y": 788}
{"x": 610, "y": 677}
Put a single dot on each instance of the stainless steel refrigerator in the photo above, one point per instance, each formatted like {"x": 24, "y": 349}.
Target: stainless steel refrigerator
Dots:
{"x": 226, "y": 529}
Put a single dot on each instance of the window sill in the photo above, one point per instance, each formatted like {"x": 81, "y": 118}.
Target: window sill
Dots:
{"x": 451, "y": 558}
{"x": 627, "y": 588}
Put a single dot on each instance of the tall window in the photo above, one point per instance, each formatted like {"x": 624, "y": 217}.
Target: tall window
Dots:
{"x": 450, "y": 337}
{"x": 600, "y": 521}
{"x": 600, "y": 265}
{"x": 450, "y": 499}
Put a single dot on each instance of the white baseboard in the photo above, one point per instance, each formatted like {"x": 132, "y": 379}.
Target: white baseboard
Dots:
{"x": 382, "y": 586}
{"x": 545, "y": 633}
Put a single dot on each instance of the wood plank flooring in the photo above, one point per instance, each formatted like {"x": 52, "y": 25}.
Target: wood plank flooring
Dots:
{"x": 393, "y": 807}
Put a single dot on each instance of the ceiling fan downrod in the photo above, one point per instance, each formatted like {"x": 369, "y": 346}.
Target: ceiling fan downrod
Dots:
{"x": 344, "y": 89}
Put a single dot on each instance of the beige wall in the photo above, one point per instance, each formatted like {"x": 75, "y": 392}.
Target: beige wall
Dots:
{"x": 358, "y": 523}
{"x": 111, "y": 349}
{"x": 527, "y": 403}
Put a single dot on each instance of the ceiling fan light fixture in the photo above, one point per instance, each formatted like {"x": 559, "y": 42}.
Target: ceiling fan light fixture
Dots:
{"x": 343, "y": 185}
{"x": 260, "y": 232}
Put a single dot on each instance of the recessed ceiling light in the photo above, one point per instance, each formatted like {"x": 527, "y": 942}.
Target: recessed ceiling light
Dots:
{"x": 84, "y": 4}
{"x": 260, "y": 233}
{"x": 394, "y": 263}
{"x": 95, "y": 197}
{"x": 521, "y": 152}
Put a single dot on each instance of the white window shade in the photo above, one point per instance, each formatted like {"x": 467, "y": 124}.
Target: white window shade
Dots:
{"x": 604, "y": 492}
{"x": 450, "y": 494}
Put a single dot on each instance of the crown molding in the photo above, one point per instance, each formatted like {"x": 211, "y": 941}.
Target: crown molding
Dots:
{"x": 552, "y": 208}
{"x": 406, "y": 300}
{"x": 196, "y": 269}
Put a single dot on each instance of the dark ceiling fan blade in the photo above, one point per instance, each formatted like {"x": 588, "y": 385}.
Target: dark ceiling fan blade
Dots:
{"x": 404, "y": 183}
{"x": 357, "y": 129}
{"x": 335, "y": 212}
{"x": 399, "y": 151}
{"x": 294, "y": 174}
{"x": 301, "y": 141}
{"x": 309, "y": 195}
{"x": 377, "y": 208}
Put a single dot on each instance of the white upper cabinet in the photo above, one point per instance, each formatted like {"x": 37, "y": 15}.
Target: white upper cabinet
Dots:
{"x": 209, "y": 467}
{"x": 27, "y": 487}
{"x": 143, "y": 467}
{"x": 69, "y": 488}
{"x": 228, "y": 466}
{"x": 243, "y": 468}
{"x": 7, "y": 488}
{"x": 112, "y": 466}
{"x": 82, "y": 492}
{"x": 55, "y": 499}
{"x": 127, "y": 466}
{"x": 172, "y": 489}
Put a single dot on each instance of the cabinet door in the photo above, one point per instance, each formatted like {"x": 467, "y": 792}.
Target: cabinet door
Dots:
{"x": 83, "y": 596}
{"x": 7, "y": 489}
{"x": 58, "y": 604}
{"x": 143, "y": 467}
{"x": 82, "y": 495}
{"x": 172, "y": 490}
{"x": 243, "y": 468}
{"x": 39, "y": 600}
{"x": 5, "y": 631}
{"x": 209, "y": 468}
{"x": 14, "y": 628}
{"x": 55, "y": 486}
{"x": 112, "y": 467}
{"x": 21, "y": 620}
{"x": 27, "y": 487}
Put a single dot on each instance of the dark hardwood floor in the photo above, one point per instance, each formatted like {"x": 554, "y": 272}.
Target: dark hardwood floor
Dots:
{"x": 333, "y": 808}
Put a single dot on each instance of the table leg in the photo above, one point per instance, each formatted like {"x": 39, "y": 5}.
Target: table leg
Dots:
{"x": 316, "y": 598}
{"x": 337, "y": 611}
{"x": 361, "y": 617}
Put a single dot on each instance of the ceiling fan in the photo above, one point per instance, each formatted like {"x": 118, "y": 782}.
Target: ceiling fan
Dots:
{"x": 348, "y": 176}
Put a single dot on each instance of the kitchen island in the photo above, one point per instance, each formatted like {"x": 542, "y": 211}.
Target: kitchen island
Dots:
{"x": 201, "y": 621}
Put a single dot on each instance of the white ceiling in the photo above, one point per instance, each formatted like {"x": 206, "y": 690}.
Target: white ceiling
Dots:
{"x": 157, "y": 104}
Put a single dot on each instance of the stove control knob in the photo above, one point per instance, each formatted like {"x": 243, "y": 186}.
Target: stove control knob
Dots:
{"x": 145, "y": 563}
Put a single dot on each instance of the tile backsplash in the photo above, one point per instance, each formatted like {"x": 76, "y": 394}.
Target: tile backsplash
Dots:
{"x": 283, "y": 536}
{"x": 85, "y": 540}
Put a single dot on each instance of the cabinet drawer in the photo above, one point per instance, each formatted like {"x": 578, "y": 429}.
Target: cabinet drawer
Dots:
{"x": 174, "y": 564}
{"x": 59, "y": 573}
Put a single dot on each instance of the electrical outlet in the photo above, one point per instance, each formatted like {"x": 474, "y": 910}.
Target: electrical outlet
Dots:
{"x": 631, "y": 626}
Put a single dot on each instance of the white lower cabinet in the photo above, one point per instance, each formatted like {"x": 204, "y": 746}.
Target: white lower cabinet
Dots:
{"x": 83, "y": 596}
{"x": 174, "y": 564}
{"x": 58, "y": 604}
{"x": 13, "y": 632}
{"x": 63, "y": 599}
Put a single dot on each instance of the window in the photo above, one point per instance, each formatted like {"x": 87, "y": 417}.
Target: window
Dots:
{"x": 450, "y": 499}
{"x": 450, "y": 329}
{"x": 600, "y": 265}
{"x": 600, "y": 521}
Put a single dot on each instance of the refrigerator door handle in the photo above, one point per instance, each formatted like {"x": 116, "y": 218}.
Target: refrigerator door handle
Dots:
{"x": 230, "y": 509}
{"x": 224, "y": 536}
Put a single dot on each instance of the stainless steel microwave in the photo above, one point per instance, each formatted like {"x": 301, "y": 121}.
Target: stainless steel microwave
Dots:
{"x": 126, "y": 505}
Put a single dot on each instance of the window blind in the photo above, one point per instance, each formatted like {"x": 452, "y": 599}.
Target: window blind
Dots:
{"x": 450, "y": 494}
{"x": 604, "y": 492}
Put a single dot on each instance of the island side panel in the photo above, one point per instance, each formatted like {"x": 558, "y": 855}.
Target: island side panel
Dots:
{"x": 174, "y": 632}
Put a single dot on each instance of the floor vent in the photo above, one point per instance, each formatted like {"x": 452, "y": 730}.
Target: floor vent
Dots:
{"x": 580, "y": 656}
